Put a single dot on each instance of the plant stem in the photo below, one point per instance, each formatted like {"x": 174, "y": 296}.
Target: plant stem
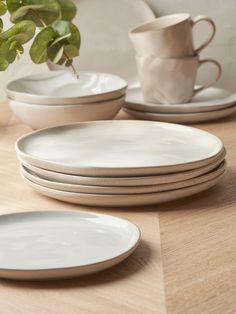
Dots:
{"x": 35, "y": 13}
{"x": 72, "y": 66}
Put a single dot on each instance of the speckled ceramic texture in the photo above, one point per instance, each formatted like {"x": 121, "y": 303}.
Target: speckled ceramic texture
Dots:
{"x": 184, "y": 118}
{"x": 124, "y": 200}
{"x": 172, "y": 81}
{"x": 170, "y": 36}
{"x": 124, "y": 181}
{"x": 119, "y": 148}
{"x": 63, "y": 88}
{"x": 211, "y": 99}
{"x": 41, "y": 116}
{"x": 62, "y": 244}
{"x": 106, "y": 190}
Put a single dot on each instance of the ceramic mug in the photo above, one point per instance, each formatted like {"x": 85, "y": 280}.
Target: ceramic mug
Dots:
{"x": 169, "y": 36}
{"x": 172, "y": 80}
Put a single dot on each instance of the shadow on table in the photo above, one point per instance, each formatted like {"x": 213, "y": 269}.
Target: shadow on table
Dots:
{"x": 220, "y": 195}
{"x": 223, "y": 194}
{"x": 215, "y": 196}
{"x": 131, "y": 266}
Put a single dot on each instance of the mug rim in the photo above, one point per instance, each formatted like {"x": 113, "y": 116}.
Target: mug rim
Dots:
{"x": 181, "y": 17}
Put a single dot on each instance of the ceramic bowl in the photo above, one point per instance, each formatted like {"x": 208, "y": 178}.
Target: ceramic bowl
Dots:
{"x": 40, "y": 116}
{"x": 63, "y": 88}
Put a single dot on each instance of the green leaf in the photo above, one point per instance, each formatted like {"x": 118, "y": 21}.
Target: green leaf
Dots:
{"x": 3, "y": 64}
{"x": 6, "y": 53}
{"x": 42, "y": 41}
{"x": 59, "y": 55}
{"x": 62, "y": 61}
{"x": 71, "y": 51}
{"x": 69, "y": 63}
{"x": 60, "y": 39}
{"x": 13, "y": 5}
{"x": 3, "y": 8}
{"x": 42, "y": 12}
{"x": 1, "y": 25}
{"x": 68, "y": 9}
{"x": 75, "y": 38}
{"x": 21, "y": 32}
{"x": 17, "y": 47}
{"x": 62, "y": 28}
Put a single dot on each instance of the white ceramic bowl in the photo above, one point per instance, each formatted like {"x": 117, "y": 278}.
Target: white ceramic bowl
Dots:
{"x": 40, "y": 116}
{"x": 63, "y": 88}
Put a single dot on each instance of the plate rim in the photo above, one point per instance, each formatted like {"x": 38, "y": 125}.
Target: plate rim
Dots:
{"x": 180, "y": 108}
{"x": 74, "y": 169}
{"x": 48, "y": 100}
{"x": 127, "y": 179}
{"x": 131, "y": 249}
{"x": 218, "y": 170}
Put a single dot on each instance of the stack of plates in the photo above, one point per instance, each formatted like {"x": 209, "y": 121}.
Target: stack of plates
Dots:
{"x": 211, "y": 104}
{"x": 57, "y": 98}
{"x": 121, "y": 163}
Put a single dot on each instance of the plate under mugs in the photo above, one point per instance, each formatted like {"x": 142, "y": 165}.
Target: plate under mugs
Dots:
{"x": 182, "y": 117}
{"x": 125, "y": 181}
{"x": 211, "y": 99}
{"x": 136, "y": 200}
{"x": 106, "y": 190}
{"x": 62, "y": 244}
{"x": 119, "y": 148}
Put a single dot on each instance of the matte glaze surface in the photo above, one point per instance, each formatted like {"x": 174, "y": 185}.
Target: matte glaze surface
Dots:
{"x": 51, "y": 244}
{"x": 124, "y": 200}
{"x": 169, "y": 36}
{"x": 183, "y": 117}
{"x": 118, "y": 148}
{"x": 121, "y": 190}
{"x": 62, "y": 88}
{"x": 211, "y": 99}
{"x": 124, "y": 181}
{"x": 41, "y": 116}
{"x": 173, "y": 80}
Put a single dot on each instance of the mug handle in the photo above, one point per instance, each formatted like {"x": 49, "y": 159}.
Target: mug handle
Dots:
{"x": 219, "y": 71}
{"x": 201, "y": 18}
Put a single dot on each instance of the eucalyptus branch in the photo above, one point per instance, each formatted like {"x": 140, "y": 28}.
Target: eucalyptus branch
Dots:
{"x": 72, "y": 66}
{"x": 58, "y": 39}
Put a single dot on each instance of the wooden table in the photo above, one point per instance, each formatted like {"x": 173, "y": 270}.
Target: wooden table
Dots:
{"x": 186, "y": 262}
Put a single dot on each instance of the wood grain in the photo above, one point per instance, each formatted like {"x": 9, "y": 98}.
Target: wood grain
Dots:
{"x": 185, "y": 264}
{"x": 198, "y": 238}
{"x": 134, "y": 286}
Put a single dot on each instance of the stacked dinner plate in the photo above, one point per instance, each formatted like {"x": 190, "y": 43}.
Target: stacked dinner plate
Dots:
{"x": 59, "y": 97}
{"x": 211, "y": 104}
{"x": 121, "y": 163}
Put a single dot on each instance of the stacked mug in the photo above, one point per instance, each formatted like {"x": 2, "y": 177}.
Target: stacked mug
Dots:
{"x": 167, "y": 61}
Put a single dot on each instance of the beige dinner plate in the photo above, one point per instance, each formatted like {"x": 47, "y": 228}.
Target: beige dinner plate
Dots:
{"x": 119, "y": 148}
{"x": 125, "y": 181}
{"x": 62, "y": 244}
{"x": 87, "y": 189}
{"x": 211, "y": 99}
{"x": 182, "y": 117}
{"x": 123, "y": 200}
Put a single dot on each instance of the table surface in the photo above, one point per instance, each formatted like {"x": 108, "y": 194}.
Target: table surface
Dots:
{"x": 186, "y": 262}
